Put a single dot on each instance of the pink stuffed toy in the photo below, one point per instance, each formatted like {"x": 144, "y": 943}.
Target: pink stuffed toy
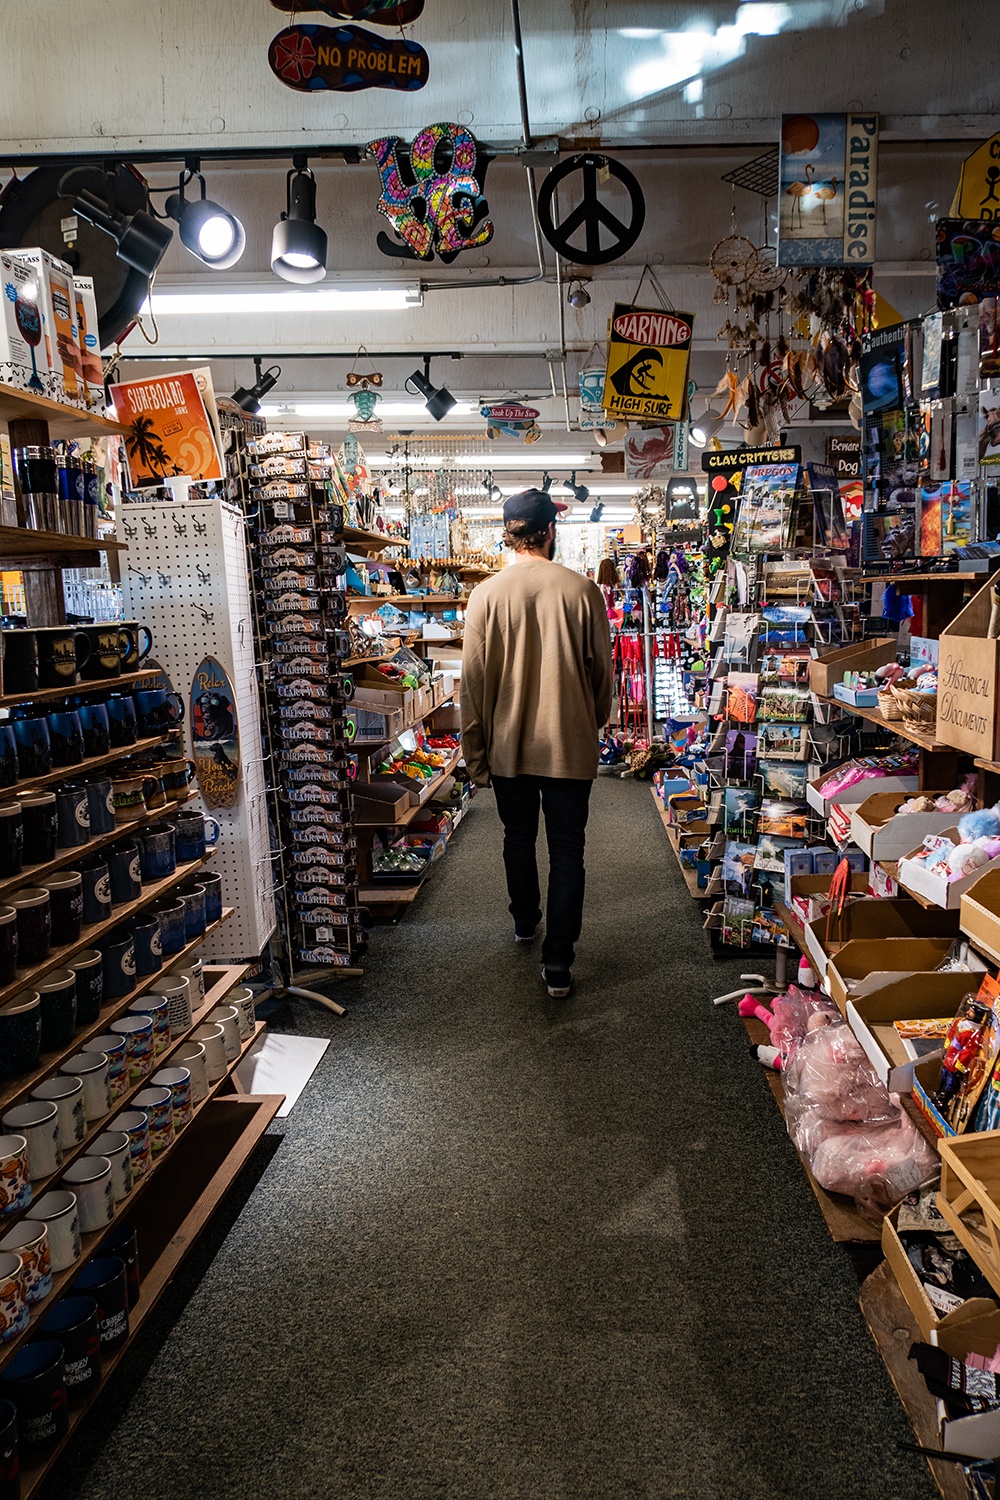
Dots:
{"x": 795, "y": 1013}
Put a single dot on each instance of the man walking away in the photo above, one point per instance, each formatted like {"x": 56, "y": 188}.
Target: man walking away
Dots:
{"x": 536, "y": 690}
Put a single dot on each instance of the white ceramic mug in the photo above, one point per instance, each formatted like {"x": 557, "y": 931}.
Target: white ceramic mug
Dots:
{"x": 192, "y": 1056}
{"x": 194, "y": 972}
{"x": 114, "y": 1045}
{"x": 14, "y": 1310}
{"x": 157, "y": 1104}
{"x": 92, "y": 1068}
{"x": 117, "y": 1147}
{"x": 178, "y": 1081}
{"x": 138, "y": 1034}
{"x": 15, "y": 1174}
{"x": 228, "y": 1017}
{"x": 242, "y": 998}
{"x": 58, "y": 1211}
{"x": 213, "y": 1039}
{"x": 89, "y": 1177}
{"x": 30, "y": 1240}
{"x": 177, "y": 988}
{"x": 135, "y": 1124}
{"x": 156, "y": 1006}
{"x": 66, "y": 1092}
{"x": 38, "y": 1122}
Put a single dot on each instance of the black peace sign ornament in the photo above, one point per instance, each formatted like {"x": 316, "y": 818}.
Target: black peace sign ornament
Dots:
{"x": 590, "y": 213}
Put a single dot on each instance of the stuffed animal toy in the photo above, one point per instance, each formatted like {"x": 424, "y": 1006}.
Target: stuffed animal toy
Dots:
{"x": 964, "y": 858}
{"x": 795, "y": 1014}
{"x": 891, "y": 672}
{"x": 984, "y": 823}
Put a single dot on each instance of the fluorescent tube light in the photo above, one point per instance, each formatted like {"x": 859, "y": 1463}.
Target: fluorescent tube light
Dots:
{"x": 325, "y": 410}
{"x": 529, "y": 463}
{"x": 200, "y": 304}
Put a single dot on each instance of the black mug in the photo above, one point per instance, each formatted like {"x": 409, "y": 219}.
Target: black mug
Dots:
{"x": 158, "y": 711}
{"x": 41, "y": 824}
{"x": 58, "y": 992}
{"x": 88, "y": 967}
{"x": 34, "y": 925}
{"x": 73, "y": 1322}
{"x": 31, "y": 736}
{"x": 109, "y": 646}
{"x": 10, "y": 1467}
{"x": 62, "y": 652}
{"x": 94, "y": 723}
{"x": 72, "y": 816}
{"x": 8, "y": 944}
{"x": 145, "y": 932}
{"x": 105, "y": 1279}
{"x": 96, "y": 889}
{"x": 123, "y": 1241}
{"x": 136, "y": 654}
{"x": 11, "y": 840}
{"x": 102, "y": 807}
{"x": 126, "y": 873}
{"x": 35, "y": 1381}
{"x": 118, "y": 951}
{"x": 66, "y": 898}
{"x": 20, "y": 661}
{"x": 212, "y": 883}
{"x": 65, "y": 737}
{"x": 121, "y": 720}
{"x": 9, "y": 768}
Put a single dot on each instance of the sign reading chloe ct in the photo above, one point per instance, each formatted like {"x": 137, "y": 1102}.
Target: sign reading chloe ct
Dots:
{"x": 968, "y": 697}
{"x": 648, "y": 353}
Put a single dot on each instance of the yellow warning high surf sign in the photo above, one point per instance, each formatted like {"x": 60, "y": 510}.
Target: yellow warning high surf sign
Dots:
{"x": 648, "y": 353}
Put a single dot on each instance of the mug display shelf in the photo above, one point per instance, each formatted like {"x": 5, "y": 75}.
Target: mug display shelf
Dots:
{"x": 64, "y": 421}
{"x": 374, "y": 602}
{"x": 16, "y": 1090}
{"x": 196, "y": 1175}
{"x": 26, "y": 979}
{"x": 73, "y": 690}
{"x": 225, "y": 978}
{"x": 31, "y": 874}
{"x": 89, "y": 763}
{"x": 90, "y": 1243}
{"x": 18, "y": 541}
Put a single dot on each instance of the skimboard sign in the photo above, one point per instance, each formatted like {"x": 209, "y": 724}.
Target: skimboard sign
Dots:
{"x": 648, "y": 353}
{"x": 345, "y": 59}
{"x": 511, "y": 419}
{"x": 215, "y": 735}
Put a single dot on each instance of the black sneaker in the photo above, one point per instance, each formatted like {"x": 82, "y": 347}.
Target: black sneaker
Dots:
{"x": 523, "y": 938}
{"x": 558, "y": 982}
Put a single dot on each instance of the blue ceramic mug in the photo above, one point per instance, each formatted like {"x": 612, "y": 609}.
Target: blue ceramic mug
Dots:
{"x": 21, "y": 1033}
{"x": 157, "y": 711}
{"x": 145, "y": 932}
{"x": 95, "y": 727}
{"x": 118, "y": 949}
{"x": 121, "y": 720}
{"x": 125, "y": 872}
{"x": 65, "y": 736}
{"x": 34, "y": 753}
{"x": 157, "y": 853}
{"x": 35, "y": 1380}
{"x": 193, "y": 901}
{"x": 96, "y": 889}
{"x": 9, "y": 770}
{"x": 104, "y": 1278}
{"x": 72, "y": 815}
{"x": 212, "y": 883}
{"x": 102, "y": 806}
{"x": 172, "y": 926}
{"x": 193, "y": 835}
{"x": 73, "y": 1322}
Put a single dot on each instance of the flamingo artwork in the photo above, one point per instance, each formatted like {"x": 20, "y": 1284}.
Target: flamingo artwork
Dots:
{"x": 797, "y": 191}
{"x": 826, "y": 194}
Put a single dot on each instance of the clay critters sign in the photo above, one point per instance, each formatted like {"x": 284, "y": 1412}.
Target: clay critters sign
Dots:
{"x": 345, "y": 59}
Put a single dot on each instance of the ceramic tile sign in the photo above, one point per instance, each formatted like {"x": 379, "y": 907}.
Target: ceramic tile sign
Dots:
{"x": 345, "y": 59}
{"x": 647, "y": 372}
{"x": 827, "y": 176}
{"x": 512, "y": 420}
{"x": 433, "y": 193}
{"x": 380, "y": 12}
{"x": 215, "y": 737}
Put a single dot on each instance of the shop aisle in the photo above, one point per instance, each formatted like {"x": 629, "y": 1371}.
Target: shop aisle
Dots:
{"x": 517, "y": 1248}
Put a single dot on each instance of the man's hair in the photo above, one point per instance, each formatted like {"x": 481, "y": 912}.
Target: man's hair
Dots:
{"x": 517, "y": 536}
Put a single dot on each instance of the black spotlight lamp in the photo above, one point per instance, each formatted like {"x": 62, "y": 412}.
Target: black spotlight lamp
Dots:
{"x": 578, "y": 295}
{"x": 438, "y": 402}
{"x": 249, "y": 400}
{"x": 209, "y": 231}
{"x": 579, "y": 492}
{"x": 546, "y": 483}
{"x": 298, "y": 245}
{"x": 141, "y": 240}
{"x": 597, "y": 512}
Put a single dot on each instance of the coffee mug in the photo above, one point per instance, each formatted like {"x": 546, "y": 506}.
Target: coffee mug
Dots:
{"x": 192, "y": 1056}
{"x": 9, "y": 768}
{"x": 30, "y": 1240}
{"x": 15, "y": 1314}
{"x": 41, "y": 826}
{"x": 145, "y": 930}
{"x": 66, "y": 1093}
{"x": 93, "y": 1069}
{"x": 35, "y": 1381}
{"x": 156, "y": 1006}
{"x": 38, "y": 1123}
{"x": 193, "y": 836}
{"x": 34, "y": 925}
{"x": 241, "y": 998}
{"x": 157, "y": 1104}
{"x": 118, "y": 949}
{"x": 8, "y": 947}
{"x": 72, "y": 816}
{"x": 178, "y": 1081}
{"x": 20, "y": 1034}
{"x": 73, "y": 1324}
{"x": 193, "y": 902}
{"x": 62, "y": 652}
{"x": 213, "y": 1039}
{"x": 88, "y": 967}
{"x": 104, "y": 1278}
{"x": 95, "y": 886}
{"x": 89, "y": 1177}
{"x": 15, "y": 1175}
{"x": 66, "y": 906}
{"x": 194, "y": 972}
{"x": 116, "y": 1146}
{"x": 156, "y": 711}
{"x": 212, "y": 883}
{"x": 65, "y": 736}
{"x": 171, "y": 915}
{"x": 121, "y": 720}
{"x": 129, "y": 793}
{"x": 58, "y": 992}
{"x": 34, "y": 754}
{"x": 123, "y": 1241}
{"x": 114, "y": 1045}
{"x": 58, "y": 1211}
{"x": 157, "y": 856}
{"x": 135, "y": 1124}
{"x": 20, "y": 661}
{"x": 138, "y": 1034}
{"x": 100, "y": 800}
{"x": 109, "y": 646}
{"x": 136, "y": 653}
{"x": 176, "y": 989}
{"x": 95, "y": 729}
{"x": 176, "y": 774}
{"x": 125, "y": 872}
{"x": 11, "y": 840}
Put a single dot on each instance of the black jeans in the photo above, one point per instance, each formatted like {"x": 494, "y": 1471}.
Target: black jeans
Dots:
{"x": 565, "y": 803}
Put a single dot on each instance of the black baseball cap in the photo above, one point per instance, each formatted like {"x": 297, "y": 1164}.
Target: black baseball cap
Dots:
{"x": 536, "y": 507}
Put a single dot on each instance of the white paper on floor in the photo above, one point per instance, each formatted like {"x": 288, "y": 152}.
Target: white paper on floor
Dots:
{"x": 281, "y": 1065}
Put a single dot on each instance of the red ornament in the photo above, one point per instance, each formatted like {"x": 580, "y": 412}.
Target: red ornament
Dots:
{"x": 720, "y": 483}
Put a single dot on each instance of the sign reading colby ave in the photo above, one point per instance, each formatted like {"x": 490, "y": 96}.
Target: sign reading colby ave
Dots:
{"x": 648, "y": 353}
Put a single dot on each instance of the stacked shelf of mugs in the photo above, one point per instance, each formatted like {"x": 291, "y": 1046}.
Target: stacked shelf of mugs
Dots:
{"x": 299, "y": 562}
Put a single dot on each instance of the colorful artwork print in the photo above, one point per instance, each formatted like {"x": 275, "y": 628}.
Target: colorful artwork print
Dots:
{"x": 345, "y": 59}
{"x": 215, "y": 739}
{"x": 647, "y": 372}
{"x": 741, "y": 754}
{"x": 764, "y": 523}
{"x": 593, "y": 417}
{"x": 783, "y": 818}
{"x": 432, "y": 193}
{"x": 737, "y": 922}
{"x": 512, "y": 420}
{"x": 782, "y": 741}
{"x": 770, "y": 857}
{"x": 741, "y": 696}
{"x": 826, "y": 190}
{"x": 989, "y": 429}
{"x": 169, "y": 432}
{"x": 945, "y": 517}
{"x": 737, "y": 868}
{"x": 739, "y": 805}
{"x": 783, "y": 701}
{"x": 968, "y": 261}
{"x": 649, "y": 452}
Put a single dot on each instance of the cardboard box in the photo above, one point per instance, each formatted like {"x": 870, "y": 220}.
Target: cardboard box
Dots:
{"x": 57, "y": 301}
{"x": 827, "y": 670}
{"x": 865, "y": 964}
{"x": 859, "y": 792}
{"x": 866, "y": 697}
{"x": 88, "y": 331}
{"x": 871, "y": 919}
{"x": 913, "y": 875}
{"x": 968, "y": 706}
{"x": 378, "y": 803}
{"x": 373, "y": 691}
{"x": 930, "y": 1322}
{"x": 978, "y": 1434}
{"x": 924, "y": 998}
{"x": 21, "y": 364}
{"x": 980, "y": 912}
{"x": 877, "y": 830}
{"x": 808, "y": 897}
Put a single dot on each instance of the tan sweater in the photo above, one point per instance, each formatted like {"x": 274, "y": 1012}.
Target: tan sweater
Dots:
{"x": 536, "y": 673}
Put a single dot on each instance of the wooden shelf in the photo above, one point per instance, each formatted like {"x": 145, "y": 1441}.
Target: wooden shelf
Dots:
{"x": 373, "y": 602}
{"x": 389, "y": 895}
{"x": 358, "y": 540}
{"x": 48, "y": 695}
{"x": 796, "y": 929}
{"x": 360, "y": 661}
{"x": 376, "y": 744}
{"x": 18, "y": 542}
{"x": 892, "y": 726}
{"x": 674, "y": 831}
{"x": 89, "y": 763}
{"x": 956, "y": 577}
{"x": 63, "y": 420}
{"x": 415, "y": 811}
{"x": 16, "y": 1090}
{"x": 31, "y": 874}
{"x": 57, "y": 959}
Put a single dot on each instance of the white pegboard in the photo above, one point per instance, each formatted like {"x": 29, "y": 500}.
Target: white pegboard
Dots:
{"x": 185, "y": 576}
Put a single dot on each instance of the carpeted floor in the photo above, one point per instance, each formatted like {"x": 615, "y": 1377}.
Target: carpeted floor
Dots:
{"x": 517, "y": 1248}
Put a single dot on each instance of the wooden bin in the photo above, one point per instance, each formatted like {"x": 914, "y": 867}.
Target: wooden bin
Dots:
{"x": 968, "y": 701}
{"x": 970, "y": 1182}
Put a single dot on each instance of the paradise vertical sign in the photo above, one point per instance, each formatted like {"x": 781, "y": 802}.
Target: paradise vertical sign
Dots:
{"x": 827, "y": 181}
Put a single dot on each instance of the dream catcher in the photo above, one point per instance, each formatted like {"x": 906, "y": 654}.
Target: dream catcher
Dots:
{"x": 363, "y": 394}
{"x": 650, "y": 507}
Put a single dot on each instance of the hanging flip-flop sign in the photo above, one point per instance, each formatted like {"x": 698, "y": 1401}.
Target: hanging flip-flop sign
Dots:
{"x": 379, "y": 12}
{"x": 344, "y": 59}
{"x": 432, "y": 193}
{"x": 591, "y": 215}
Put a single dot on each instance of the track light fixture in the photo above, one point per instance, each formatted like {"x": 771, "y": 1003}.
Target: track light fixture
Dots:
{"x": 141, "y": 240}
{"x": 209, "y": 231}
{"x": 249, "y": 399}
{"x": 597, "y": 512}
{"x": 578, "y": 295}
{"x": 438, "y": 402}
{"x": 299, "y": 245}
{"x": 579, "y": 492}
{"x": 546, "y": 483}
{"x": 703, "y": 430}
